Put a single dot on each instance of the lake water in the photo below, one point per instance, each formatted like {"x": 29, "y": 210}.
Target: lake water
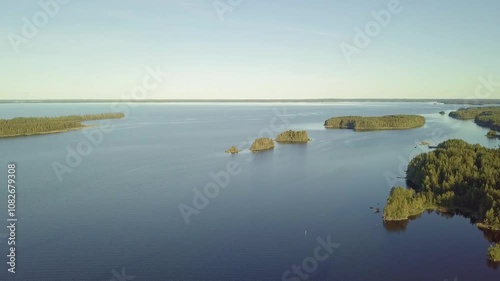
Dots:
{"x": 116, "y": 214}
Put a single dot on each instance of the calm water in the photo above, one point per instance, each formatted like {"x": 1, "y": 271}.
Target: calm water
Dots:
{"x": 119, "y": 208}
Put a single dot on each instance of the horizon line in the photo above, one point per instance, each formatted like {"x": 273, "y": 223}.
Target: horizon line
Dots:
{"x": 465, "y": 101}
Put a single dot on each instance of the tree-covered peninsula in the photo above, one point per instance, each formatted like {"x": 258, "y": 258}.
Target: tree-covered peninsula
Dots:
{"x": 456, "y": 176}
{"x": 293, "y": 137}
{"x": 26, "y": 126}
{"x": 389, "y": 122}
{"x": 488, "y": 117}
{"x": 262, "y": 144}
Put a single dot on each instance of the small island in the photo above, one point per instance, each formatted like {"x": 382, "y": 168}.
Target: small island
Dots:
{"x": 293, "y": 137}
{"x": 232, "y": 150}
{"x": 456, "y": 177}
{"x": 389, "y": 122}
{"x": 261, "y": 144}
{"x": 27, "y": 126}
{"x": 493, "y": 134}
{"x": 442, "y": 112}
{"x": 488, "y": 117}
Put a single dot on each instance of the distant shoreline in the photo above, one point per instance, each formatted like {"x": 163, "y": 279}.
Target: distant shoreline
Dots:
{"x": 31, "y": 126}
{"x": 326, "y": 100}
{"x": 44, "y": 133}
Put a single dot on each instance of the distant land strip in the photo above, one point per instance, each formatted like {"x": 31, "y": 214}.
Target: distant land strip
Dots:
{"x": 29, "y": 126}
{"x": 444, "y": 101}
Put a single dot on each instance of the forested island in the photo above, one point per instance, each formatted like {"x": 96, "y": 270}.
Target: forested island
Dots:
{"x": 262, "y": 144}
{"x": 293, "y": 137}
{"x": 26, "y": 126}
{"x": 232, "y": 150}
{"x": 488, "y": 117}
{"x": 457, "y": 176}
{"x": 389, "y": 122}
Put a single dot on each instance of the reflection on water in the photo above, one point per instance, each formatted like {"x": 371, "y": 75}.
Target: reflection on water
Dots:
{"x": 119, "y": 208}
{"x": 493, "y": 265}
{"x": 399, "y": 226}
{"x": 491, "y": 235}
{"x": 396, "y": 226}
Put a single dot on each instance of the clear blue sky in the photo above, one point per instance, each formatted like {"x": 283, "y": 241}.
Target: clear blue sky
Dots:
{"x": 261, "y": 49}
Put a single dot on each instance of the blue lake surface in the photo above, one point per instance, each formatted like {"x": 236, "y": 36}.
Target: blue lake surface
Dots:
{"x": 118, "y": 210}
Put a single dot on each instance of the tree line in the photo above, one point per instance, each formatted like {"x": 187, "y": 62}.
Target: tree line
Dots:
{"x": 389, "y": 122}
{"x": 22, "y": 126}
{"x": 488, "y": 117}
{"x": 293, "y": 136}
{"x": 456, "y": 176}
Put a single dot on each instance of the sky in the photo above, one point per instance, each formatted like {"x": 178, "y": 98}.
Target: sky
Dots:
{"x": 248, "y": 49}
